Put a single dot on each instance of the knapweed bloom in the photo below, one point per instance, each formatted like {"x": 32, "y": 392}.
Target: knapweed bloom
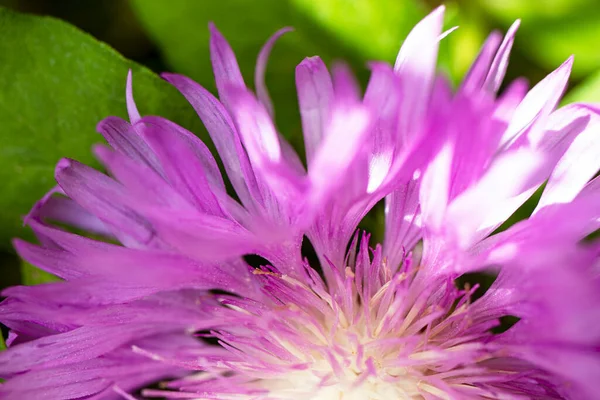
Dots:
{"x": 161, "y": 299}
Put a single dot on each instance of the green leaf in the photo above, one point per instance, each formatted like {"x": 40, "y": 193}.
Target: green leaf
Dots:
{"x": 552, "y": 32}
{"x": 373, "y": 29}
{"x": 31, "y": 275}
{"x": 459, "y": 48}
{"x": 587, "y": 91}
{"x": 2, "y": 344}
{"x": 56, "y": 84}
{"x": 354, "y": 31}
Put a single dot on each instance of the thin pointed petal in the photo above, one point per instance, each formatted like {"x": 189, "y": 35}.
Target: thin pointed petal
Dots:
{"x": 132, "y": 110}
{"x": 500, "y": 63}
{"x": 315, "y": 93}
{"x": 476, "y": 76}
{"x": 578, "y": 165}
{"x": 261, "y": 67}
{"x": 415, "y": 65}
{"x": 225, "y": 66}
{"x": 224, "y": 135}
{"x": 537, "y": 105}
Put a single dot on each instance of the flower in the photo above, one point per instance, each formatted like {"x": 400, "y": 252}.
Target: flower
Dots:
{"x": 163, "y": 292}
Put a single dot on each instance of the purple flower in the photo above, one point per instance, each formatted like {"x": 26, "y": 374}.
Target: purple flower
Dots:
{"x": 162, "y": 292}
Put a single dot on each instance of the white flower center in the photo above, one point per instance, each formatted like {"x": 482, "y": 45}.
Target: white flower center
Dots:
{"x": 371, "y": 355}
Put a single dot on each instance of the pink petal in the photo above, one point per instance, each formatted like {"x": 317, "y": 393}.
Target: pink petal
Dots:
{"x": 579, "y": 163}
{"x": 106, "y": 199}
{"x": 225, "y": 66}
{"x": 537, "y": 105}
{"x": 510, "y": 175}
{"x": 188, "y": 164}
{"x": 80, "y": 344}
{"x": 346, "y": 132}
{"x": 202, "y": 236}
{"x": 122, "y": 137}
{"x": 435, "y": 187}
{"x": 475, "y": 77}
{"x": 132, "y": 110}
{"x": 415, "y": 65}
{"x": 223, "y": 134}
{"x": 64, "y": 210}
{"x": 497, "y": 70}
{"x": 261, "y": 66}
{"x": 140, "y": 183}
{"x": 402, "y": 222}
{"x": 256, "y": 129}
{"x": 263, "y": 145}
{"x": 383, "y": 97}
{"x": 315, "y": 93}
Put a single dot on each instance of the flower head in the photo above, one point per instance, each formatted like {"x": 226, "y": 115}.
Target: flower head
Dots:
{"x": 160, "y": 290}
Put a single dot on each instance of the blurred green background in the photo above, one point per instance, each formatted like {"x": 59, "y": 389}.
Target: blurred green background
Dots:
{"x": 57, "y": 82}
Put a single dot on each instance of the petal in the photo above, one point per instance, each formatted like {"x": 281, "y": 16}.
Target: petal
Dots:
{"x": 223, "y": 134}
{"x": 536, "y": 106}
{"x": 81, "y": 389}
{"x": 558, "y": 303}
{"x": 187, "y": 163}
{"x": 202, "y": 236}
{"x": 548, "y": 233}
{"x": 497, "y": 70}
{"x": 475, "y": 77}
{"x": 315, "y": 94}
{"x": 567, "y": 125}
{"x": 62, "y": 239}
{"x": 415, "y": 65}
{"x": 106, "y": 199}
{"x": 477, "y": 138}
{"x": 87, "y": 379}
{"x": 402, "y": 222}
{"x": 261, "y": 66}
{"x": 510, "y": 175}
{"x": 383, "y": 98}
{"x": 346, "y": 133}
{"x": 256, "y": 129}
{"x": 269, "y": 159}
{"x": 129, "y": 269}
{"x": 80, "y": 344}
{"x": 122, "y": 137}
{"x": 56, "y": 262}
{"x": 64, "y": 210}
{"x": 435, "y": 188}
{"x": 132, "y": 110}
{"x": 510, "y": 99}
{"x": 579, "y": 163}
{"x": 225, "y": 66}
{"x": 140, "y": 184}
{"x": 591, "y": 189}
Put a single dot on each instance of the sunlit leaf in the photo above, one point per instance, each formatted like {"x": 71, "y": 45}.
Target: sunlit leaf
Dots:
{"x": 587, "y": 91}
{"x": 553, "y": 31}
{"x": 31, "y": 275}
{"x": 57, "y": 83}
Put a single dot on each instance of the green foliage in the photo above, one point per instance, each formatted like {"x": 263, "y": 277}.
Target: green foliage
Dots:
{"x": 57, "y": 83}
{"x": 587, "y": 91}
{"x": 373, "y": 29}
{"x": 31, "y": 275}
{"x": 552, "y": 30}
{"x": 459, "y": 48}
